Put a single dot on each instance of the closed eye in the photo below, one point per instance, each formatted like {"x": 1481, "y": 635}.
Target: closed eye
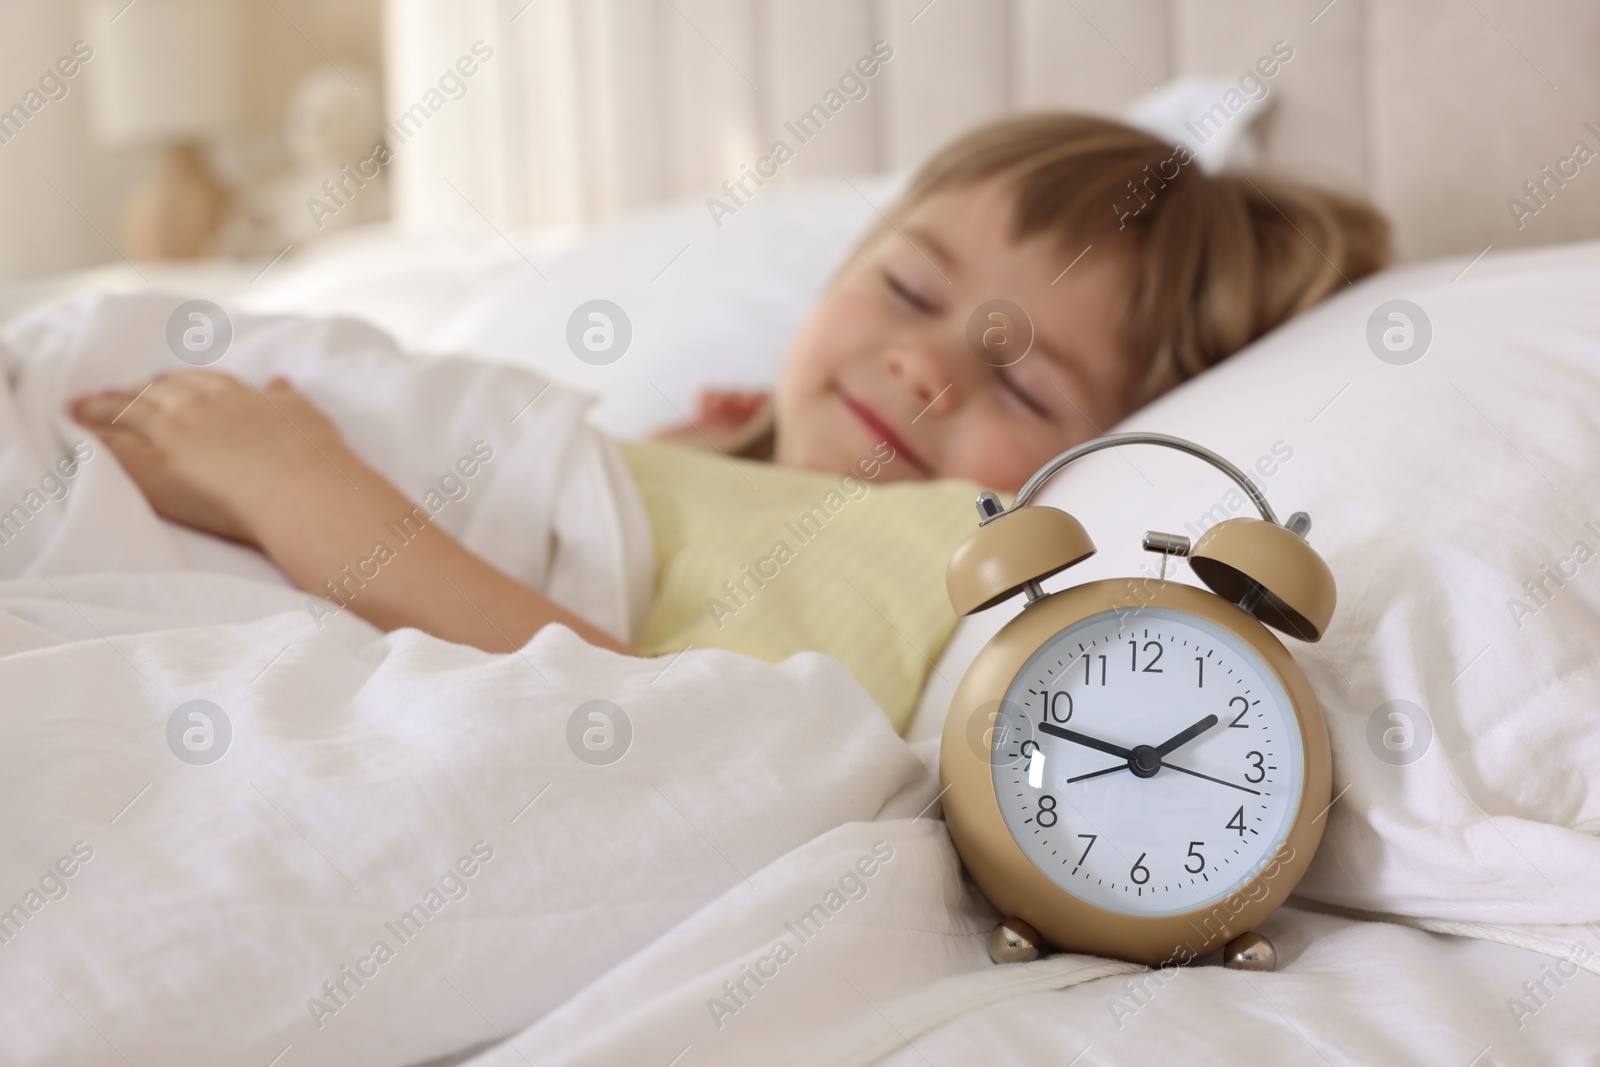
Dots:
{"x": 1023, "y": 395}
{"x": 901, "y": 290}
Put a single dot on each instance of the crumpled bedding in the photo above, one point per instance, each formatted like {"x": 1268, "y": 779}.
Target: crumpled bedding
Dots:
{"x": 379, "y": 848}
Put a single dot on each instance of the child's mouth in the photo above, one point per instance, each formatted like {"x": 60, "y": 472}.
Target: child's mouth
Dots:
{"x": 880, "y": 430}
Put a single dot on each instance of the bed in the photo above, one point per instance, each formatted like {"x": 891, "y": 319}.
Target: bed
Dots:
{"x": 608, "y": 913}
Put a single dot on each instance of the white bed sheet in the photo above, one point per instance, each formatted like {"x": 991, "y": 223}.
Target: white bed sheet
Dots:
{"x": 1347, "y": 993}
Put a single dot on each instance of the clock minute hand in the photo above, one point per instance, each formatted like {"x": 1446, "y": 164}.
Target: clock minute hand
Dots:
{"x": 1084, "y": 739}
{"x": 1178, "y": 740}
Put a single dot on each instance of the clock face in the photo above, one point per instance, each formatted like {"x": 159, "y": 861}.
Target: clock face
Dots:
{"x": 1148, "y": 762}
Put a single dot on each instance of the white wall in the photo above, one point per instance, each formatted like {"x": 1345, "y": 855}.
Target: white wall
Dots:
{"x": 41, "y": 233}
{"x": 42, "y": 230}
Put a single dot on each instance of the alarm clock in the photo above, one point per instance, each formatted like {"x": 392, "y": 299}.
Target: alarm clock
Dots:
{"x": 1136, "y": 767}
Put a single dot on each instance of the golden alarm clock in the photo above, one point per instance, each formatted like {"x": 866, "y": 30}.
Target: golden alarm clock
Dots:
{"x": 1136, "y": 767}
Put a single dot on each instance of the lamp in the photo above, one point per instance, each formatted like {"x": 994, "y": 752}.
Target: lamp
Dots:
{"x": 166, "y": 75}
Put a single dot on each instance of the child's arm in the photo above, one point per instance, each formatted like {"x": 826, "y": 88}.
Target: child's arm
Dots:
{"x": 267, "y": 468}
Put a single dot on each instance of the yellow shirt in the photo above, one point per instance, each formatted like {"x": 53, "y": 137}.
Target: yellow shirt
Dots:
{"x": 771, "y": 561}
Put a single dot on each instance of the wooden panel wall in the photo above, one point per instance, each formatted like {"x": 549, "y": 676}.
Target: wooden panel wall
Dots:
{"x": 593, "y": 108}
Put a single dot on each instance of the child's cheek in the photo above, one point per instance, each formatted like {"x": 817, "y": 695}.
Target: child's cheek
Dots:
{"x": 832, "y": 338}
{"x": 857, "y": 327}
{"x": 995, "y": 452}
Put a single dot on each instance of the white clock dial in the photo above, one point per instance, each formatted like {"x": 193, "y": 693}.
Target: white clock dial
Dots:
{"x": 1148, "y": 762}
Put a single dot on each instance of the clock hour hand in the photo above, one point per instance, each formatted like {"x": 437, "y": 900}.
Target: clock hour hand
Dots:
{"x": 1178, "y": 740}
{"x": 1084, "y": 739}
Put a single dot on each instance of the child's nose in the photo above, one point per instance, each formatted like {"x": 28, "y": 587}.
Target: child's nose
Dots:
{"x": 925, "y": 373}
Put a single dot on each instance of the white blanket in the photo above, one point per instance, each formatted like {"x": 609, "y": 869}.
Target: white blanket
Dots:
{"x": 401, "y": 790}
{"x": 762, "y": 868}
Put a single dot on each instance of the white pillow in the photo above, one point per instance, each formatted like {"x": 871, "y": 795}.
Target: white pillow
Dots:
{"x": 708, "y": 306}
{"x": 1437, "y": 489}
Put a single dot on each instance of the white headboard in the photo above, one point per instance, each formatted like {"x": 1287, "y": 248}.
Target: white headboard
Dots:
{"x": 1438, "y": 110}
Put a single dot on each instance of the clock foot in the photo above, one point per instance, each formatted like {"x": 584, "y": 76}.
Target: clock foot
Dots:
{"x": 1014, "y": 941}
{"x": 1250, "y": 952}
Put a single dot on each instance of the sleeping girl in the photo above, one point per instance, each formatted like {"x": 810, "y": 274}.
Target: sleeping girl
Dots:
{"x": 821, "y": 517}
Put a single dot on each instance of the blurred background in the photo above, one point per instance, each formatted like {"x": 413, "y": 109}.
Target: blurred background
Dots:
{"x": 139, "y": 131}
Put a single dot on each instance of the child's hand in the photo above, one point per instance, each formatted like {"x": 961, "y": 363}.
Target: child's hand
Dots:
{"x": 207, "y": 449}
{"x": 265, "y": 467}
{"x": 728, "y": 409}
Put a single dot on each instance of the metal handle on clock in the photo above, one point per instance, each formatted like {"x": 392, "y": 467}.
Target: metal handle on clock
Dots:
{"x": 1049, "y": 470}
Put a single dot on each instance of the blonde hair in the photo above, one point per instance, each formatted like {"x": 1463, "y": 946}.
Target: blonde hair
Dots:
{"x": 1223, "y": 258}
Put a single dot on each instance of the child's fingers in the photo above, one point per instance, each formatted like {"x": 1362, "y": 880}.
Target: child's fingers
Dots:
{"x": 112, "y": 408}
{"x": 133, "y": 450}
{"x": 730, "y": 405}
{"x": 280, "y": 385}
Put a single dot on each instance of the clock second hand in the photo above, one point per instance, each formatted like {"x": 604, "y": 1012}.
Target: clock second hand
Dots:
{"x": 1096, "y": 774}
{"x": 1168, "y": 766}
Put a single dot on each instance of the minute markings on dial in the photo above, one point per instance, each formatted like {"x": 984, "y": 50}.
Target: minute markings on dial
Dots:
{"x": 1101, "y": 718}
